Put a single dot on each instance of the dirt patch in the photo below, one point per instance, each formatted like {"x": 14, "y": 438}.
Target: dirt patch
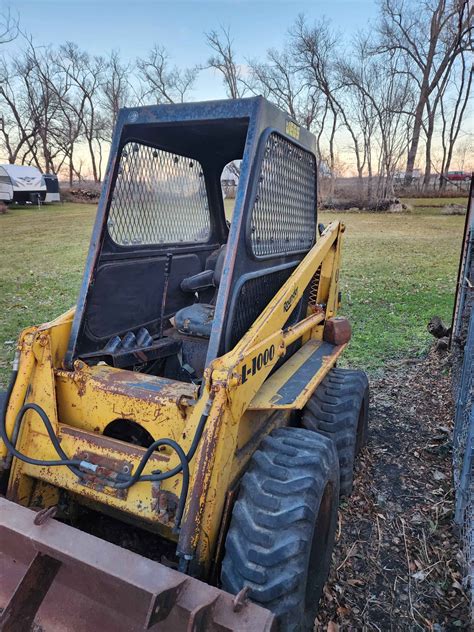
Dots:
{"x": 84, "y": 195}
{"x": 395, "y": 565}
{"x": 454, "y": 209}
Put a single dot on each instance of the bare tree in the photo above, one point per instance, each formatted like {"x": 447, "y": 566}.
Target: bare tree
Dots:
{"x": 319, "y": 55}
{"x": 386, "y": 96}
{"x": 281, "y": 81}
{"x": 9, "y": 26}
{"x": 116, "y": 89}
{"x": 314, "y": 49}
{"x": 16, "y": 127}
{"x": 40, "y": 82}
{"x": 429, "y": 35}
{"x": 452, "y": 117}
{"x": 85, "y": 76}
{"x": 56, "y": 101}
{"x": 160, "y": 81}
{"x": 70, "y": 119}
{"x": 224, "y": 61}
{"x": 358, "y": 80}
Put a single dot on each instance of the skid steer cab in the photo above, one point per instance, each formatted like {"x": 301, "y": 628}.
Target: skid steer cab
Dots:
{"x": 190, "y": 396}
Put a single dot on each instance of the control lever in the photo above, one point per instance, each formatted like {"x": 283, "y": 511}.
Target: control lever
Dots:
{"x": 169, "y": 259}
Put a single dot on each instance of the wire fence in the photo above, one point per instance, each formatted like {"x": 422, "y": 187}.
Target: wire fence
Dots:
{"x": 463, "y": 437}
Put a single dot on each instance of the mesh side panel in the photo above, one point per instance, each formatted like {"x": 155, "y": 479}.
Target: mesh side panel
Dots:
{"x": 158, "y": 198}
{"x": 467, "y": 535}
{"x": 313, "y": 288}
{"x": 254, "y": 296}
{"x": 463, "y": 436}
{"x": 284, "y": 212}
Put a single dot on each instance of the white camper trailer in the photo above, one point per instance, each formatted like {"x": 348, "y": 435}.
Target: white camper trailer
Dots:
{"x": 27, "y": 182}
{"x": 6, "y": 188}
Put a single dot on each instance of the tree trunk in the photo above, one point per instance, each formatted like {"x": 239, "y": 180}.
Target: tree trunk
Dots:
{"x": 418, "y": 121}
{"x": 360, "y": 184}
{"x": 429, "y": 136}
{"x": 71, "y": 166}
{"x": 332, "y": 155}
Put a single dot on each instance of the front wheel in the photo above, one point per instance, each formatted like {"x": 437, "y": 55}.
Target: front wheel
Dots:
{"x": 283, "y": 524}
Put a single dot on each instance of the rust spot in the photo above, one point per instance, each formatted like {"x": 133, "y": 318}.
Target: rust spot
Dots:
{"x": 109, "y": 467}
{"x": 190, "y": 527}
{"x": 141, "y": 387}
{"x": 80, "y": 381}
{"x": 164, "y": 504}
{"x": 118, "y": 448}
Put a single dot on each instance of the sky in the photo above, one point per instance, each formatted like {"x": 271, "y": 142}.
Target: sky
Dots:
{"x": 133, "y": 26}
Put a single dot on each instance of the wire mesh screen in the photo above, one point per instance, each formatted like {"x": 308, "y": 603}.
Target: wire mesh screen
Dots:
{"x": 463, "y": 460}
{"x": 463, "y": 437}
{"x": 254, "y": 296}
{"x": 284, "y": 213}
{"x": 468, "y": 540}
{"x": 158, "y": 198}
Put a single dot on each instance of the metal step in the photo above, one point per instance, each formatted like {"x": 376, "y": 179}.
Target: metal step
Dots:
{"x": 293, "y": 383}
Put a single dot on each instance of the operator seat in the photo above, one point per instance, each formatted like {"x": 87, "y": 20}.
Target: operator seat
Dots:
{"x": 196, "y": 319}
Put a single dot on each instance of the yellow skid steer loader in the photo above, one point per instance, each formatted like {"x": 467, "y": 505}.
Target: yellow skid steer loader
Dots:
{"x": 191, "y": 397}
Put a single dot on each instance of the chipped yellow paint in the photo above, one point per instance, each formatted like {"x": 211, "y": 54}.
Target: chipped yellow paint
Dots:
{"x": 83, "y": 401}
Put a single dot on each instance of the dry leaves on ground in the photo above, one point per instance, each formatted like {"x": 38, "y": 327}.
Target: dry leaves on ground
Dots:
{"x": 396, "y": 561}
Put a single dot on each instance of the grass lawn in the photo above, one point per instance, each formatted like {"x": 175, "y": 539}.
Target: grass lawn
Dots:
{"x": 398, "y": 271}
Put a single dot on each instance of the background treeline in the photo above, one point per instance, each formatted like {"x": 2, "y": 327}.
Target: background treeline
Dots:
{"x": 393, "y": 98}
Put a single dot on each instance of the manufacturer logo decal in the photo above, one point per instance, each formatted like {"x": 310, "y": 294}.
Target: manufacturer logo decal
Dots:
{"x": 292, "y": 129}
{"x": 289, "y": 302}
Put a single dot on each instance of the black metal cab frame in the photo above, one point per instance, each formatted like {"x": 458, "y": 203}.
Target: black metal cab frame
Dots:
{"x": 162, "y": 199}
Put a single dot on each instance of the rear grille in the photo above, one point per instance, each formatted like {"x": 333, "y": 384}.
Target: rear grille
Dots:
{"x": 254, "y": 296}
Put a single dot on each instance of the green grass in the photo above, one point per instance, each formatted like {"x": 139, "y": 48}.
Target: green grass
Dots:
{"x": 427, "y": 206}
{"x": 435, "y": 202}
{"x": 41, "y": 264}
{"x": 398, "y": 270}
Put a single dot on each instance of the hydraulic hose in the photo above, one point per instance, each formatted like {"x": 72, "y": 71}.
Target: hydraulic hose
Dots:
{"x": 64, "y": 460}
{"x": 176, "y": 470}
{"x": 80, "y": 468}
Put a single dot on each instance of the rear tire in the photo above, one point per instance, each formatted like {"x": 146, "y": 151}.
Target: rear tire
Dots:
{"x": 283, "y": 524}
{"x": 339, "y": 410}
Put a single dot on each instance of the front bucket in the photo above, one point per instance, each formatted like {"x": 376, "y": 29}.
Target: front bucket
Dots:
{"x": 56, "y": 578}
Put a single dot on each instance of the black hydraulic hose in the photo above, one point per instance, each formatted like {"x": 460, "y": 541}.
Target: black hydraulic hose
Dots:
{"x": 73, "y": 464}
{"x": 177, "y": 469}
{"x": 185, "y": 485}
